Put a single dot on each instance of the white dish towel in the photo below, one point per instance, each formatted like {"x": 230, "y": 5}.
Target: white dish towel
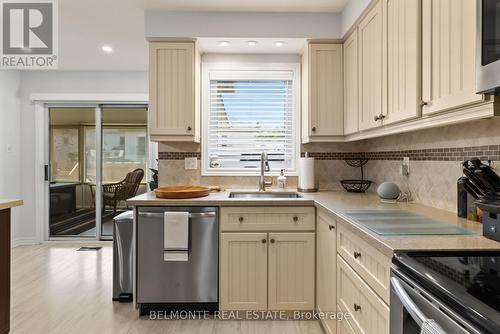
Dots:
{"x": 176, "y": 236}
{"x": 431, "y": 327}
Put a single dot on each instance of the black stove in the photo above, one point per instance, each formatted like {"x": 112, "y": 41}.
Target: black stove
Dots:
{"x": 468, "y": 282}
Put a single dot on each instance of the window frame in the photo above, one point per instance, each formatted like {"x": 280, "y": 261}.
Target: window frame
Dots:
{"x": 208, "y": 67}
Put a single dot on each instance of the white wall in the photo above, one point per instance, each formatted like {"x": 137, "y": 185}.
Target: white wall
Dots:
{"x": 53, "y": 82}
{"x": 10, "y": 162}
{"x": 242, "y": 24}
{"x": 351, "y": 12}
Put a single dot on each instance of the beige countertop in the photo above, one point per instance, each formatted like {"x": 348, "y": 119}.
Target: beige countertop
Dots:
{"x": 9, "y": 203}
{"x": 338, "y": 203}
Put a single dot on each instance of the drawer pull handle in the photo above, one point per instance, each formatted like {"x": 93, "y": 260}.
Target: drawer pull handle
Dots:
{"x": 295, "y": 218}
{"x": 357, "y": 307}
{"x": 272, "y": 241}
{"x": 357, "y": 255}
{"x": 241, "y": 219}
{"x": 264, "y": 241}
{"x": 331, "y": 227}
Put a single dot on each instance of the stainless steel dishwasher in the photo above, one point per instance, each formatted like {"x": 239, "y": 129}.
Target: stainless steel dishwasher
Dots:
{"x": 190, "y": 285}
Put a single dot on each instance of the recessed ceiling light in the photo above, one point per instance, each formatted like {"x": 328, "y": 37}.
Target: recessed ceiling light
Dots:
{"x": 279, "y": 44}
{"x": 224, "y": 43}
{"x": 252, "y": 43}
{"x": 107, "y": 48}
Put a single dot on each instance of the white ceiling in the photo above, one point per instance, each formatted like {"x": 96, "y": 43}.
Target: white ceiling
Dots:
{"x": 84, "y": 26}
{"x": 240, "y": 45}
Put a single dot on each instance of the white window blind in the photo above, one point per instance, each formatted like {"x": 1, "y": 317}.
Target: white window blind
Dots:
{"x": 250, "y": 112}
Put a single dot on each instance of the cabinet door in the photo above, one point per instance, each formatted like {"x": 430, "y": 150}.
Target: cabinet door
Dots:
{"x": 326, "y": 110}
{"x": 243, "y": 271}
{"x": 448, "y": 54}
{"x": 371, "y": 68}
{"x": 172, "y": 89}
{"x": 369, "y": 314}
{"x": 291, "y": 271}
{"x": 351, "y": 88}
{"x": 403, "y": 60}
{"x": 326, "y": 268}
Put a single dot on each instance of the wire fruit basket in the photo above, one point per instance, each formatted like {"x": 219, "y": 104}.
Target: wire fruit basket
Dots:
{"x": 356, "y": 186}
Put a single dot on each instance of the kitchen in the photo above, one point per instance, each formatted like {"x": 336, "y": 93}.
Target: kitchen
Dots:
{"x": 322, "y": 169}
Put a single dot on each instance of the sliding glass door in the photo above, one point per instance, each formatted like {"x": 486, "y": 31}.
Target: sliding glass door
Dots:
{"x": 95, "y": 164}
{"x": 72, "y": 208}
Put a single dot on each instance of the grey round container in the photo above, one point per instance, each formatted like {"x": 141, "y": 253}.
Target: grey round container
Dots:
{"x": 388, "y": 191}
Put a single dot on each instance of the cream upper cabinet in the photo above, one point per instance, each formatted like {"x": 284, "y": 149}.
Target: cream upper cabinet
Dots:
{"x": 291, "y": 271}
{"x": 322, "y": 92}
{"x": 174, "y": 92}
{"x": 402, "y": 19}
{"x": 351, "y": 87}
{"x": 372, "y": 88}
{"x": 326, "y": 268}
{"x": 243, "y": 271}
{"x": 448, "y": 55}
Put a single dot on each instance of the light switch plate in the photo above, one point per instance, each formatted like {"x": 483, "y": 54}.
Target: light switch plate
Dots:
{"x": 190, "y": 163}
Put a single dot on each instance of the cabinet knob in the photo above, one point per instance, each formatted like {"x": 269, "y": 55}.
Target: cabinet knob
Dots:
{"x": 313, "y": 129}
{"x": 376, "y": 118}
{"x": 357, "y": 255}
{"x": 189, "y": 128}
{"x": 331, "y": 227}
{"x": 272, "y": 241}
{"x": 357, "y": 307}
{"x": 381, "y": 116}
{"x": 295, "y": 218}
{"x": 264, "y": 241}
{"x": 424, "y": 103}
{"x": 241, "y": 219}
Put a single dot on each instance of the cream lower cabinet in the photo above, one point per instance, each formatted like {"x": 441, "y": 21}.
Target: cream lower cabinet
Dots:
{"x": 270, "y": 269}
{"x": 326, "y": 268}
{"x": 243, "y": 271}
{"x": 369, "y": 313}
{"x": 266, "y": 271}
{"x": 291, "y": 271}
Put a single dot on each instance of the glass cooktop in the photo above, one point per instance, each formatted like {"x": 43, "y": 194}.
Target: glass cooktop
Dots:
{"x": 469, "y": 281}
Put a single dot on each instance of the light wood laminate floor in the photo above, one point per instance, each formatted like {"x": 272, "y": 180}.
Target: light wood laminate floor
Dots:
{"x": 56, "y": 289}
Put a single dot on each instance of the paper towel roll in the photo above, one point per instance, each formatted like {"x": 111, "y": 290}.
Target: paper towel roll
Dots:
{"x": 307, "y": 182}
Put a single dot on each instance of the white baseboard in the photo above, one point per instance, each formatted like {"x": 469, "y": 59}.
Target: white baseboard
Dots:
{"x": 23, "y": 241}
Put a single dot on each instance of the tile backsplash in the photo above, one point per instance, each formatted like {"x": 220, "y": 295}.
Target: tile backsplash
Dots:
{"x": 435, "y": 154}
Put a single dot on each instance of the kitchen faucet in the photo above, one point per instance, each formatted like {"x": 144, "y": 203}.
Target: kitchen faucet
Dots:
{"x": 264, "y": 167}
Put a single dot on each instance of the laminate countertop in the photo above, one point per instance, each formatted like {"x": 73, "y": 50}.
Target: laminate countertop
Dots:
{"x": 338, "y": 203}
{"x": 9, "y": 203}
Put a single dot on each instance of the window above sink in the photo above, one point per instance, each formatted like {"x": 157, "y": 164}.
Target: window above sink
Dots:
{"x": 248, "y": 109}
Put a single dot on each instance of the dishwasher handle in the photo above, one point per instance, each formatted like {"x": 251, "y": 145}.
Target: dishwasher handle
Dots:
{"x": 191, "y": 215}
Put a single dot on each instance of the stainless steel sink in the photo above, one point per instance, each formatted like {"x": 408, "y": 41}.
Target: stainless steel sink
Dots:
{"x": 263, "y": 194}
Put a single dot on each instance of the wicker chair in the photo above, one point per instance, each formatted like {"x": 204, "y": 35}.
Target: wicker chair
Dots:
{"x": 113, "y": 193}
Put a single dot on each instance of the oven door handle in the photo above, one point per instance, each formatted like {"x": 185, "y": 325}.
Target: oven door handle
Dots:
{"x": 408, "y": 303}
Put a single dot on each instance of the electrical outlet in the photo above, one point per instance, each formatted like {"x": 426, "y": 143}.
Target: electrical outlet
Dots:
{"x": 405, "y": 166}
{"x": 190, "y": 163}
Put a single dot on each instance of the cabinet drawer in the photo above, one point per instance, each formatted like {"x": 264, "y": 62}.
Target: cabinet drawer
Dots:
{"x": 373, "y": 266}
{"x": 267, "y": 218}
{"x": 369, "y": 313}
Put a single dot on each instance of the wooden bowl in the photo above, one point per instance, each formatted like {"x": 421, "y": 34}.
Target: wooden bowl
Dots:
{"x": 181, "y": 192}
